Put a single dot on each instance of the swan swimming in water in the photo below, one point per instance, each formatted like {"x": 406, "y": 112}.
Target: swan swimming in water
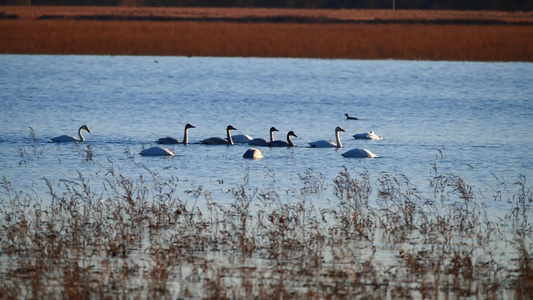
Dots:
{"x": 156, "y": 151}
{"x": 220, "y": 141}
{"x": 253, "y": 153}
{"x": 68, "y": 138}
{"x": 325, "y": 144}
{"x": 288, "y": 143}
{"x": 350, "y": 118}
{"x": 241, "y": 139}
{"x": 359, "y": 153}
{"x": 170, "y": 140}
{"x": 368, "y": 136}
{"x": 261, "y": 141}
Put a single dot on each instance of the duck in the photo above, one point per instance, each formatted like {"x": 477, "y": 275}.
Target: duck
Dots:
{"x": 253, "y": 153}
{"x": 327, "y": 144}
{"x": 350, "y": 118}
{"x": 288, "y": 143}
{"x": 359, "y": 153}
{"x": 368, "y": 136}
{"x": 241, "y": 139}
{"x": 68, "y": 138}
{"x": 261, "y": 141}
{"x": 156, "y": 151}
{"x": 219, "y": 140}
{"x": 170, "y": 140}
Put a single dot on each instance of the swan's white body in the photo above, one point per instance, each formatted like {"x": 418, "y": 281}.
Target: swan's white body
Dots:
{"x": 241, "y": 139}
{"x": 170, "y": 140}
{"x": 359, "y": 153}
{"x": 350, "y": 118}
{"x": 220, "y": 141}
{"x": 263, "y": 142}
{"x": 368, "y": 136}
{"x": 253, "y": 153}
{"x": 156, "y": 151}
{"x": 68, "y": 138}
{"x": 288, "y": 143}
{"x": 328, "y": 144}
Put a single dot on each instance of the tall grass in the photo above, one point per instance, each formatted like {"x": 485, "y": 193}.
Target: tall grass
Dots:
{"x": 381, "y": 238}
{"x": 356, "y": 41}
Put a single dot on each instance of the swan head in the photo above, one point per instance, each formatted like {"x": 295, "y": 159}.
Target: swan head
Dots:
{"x": 339, "y": 129}
{"x": 189, "y": 126}
{"x": 230, "y": 128}
{"x": 85, "y": 127}
{"x": 273, "y": 129}
{"x": 346, "y": 115}
{"x": 291, "y": 133}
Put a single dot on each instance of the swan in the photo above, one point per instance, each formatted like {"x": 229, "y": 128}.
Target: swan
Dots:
{"x": 156, "y": 151}
{"x": 359, "y": 153}
{"x": 288, "y": 143}
{"x": 368, "y": 136}
{"x": 241, "y": 139}
{"x": 261, "y": 141}
{"x": 218, "y": 140}
{"x": 325, "y": 144}
{"x": 350, "y": 118}
{"x": 170, "y": 140}
{"x": 253, "y": 153}
{"x": 68, "y": 138}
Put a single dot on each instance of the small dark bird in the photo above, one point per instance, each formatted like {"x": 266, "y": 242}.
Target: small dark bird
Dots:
{"x": 350, "y": 118}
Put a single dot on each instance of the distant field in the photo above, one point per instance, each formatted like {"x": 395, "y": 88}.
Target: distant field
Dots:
{"x": 357, "y": 34}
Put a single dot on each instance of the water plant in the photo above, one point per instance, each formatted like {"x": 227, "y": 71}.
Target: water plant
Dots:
{"x": 379, "y": 238}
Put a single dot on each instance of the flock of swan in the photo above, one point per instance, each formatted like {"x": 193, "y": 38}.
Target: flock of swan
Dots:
{"x": 253, "y": 153}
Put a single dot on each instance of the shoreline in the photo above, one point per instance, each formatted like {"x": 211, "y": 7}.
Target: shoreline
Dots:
{"x": 245, "y": 32}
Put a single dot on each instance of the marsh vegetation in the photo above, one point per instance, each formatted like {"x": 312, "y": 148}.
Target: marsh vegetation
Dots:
{"x": 379, "y": 237}
{"x": 241, "y": 32}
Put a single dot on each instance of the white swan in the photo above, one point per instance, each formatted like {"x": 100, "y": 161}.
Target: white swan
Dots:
{"x": 241, "y": 139}
{"x": 156, "y": 151}
{"x": 368, "y": 136}
{"x": 68, "y": 138}
{"x": 325, "y": 144}
{"x": 263, "y": 142}
{"x": 359, "y": 153}
{"x": 253, "y": 153}
{"x": 220, "y": 141}
{"x": 170, "y": 140}
{"x": 288, "y": 143}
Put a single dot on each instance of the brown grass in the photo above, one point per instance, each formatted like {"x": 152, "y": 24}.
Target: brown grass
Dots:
{"x": 396, "y": 40}
{"x": 34, "y": 12}
{"x": 143, "y": 238}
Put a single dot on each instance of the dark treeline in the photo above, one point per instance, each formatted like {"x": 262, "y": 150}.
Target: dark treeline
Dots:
{"x": 505, "y": 5}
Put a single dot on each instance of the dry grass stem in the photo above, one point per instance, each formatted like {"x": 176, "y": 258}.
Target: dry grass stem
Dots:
{"x": 142, "y": 237}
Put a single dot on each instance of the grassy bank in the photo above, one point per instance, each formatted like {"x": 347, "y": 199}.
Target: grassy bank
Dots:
{"x": 269, "y": 33}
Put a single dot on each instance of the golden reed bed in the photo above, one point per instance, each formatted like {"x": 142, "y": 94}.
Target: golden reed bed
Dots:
{"x": 355, "y": 34}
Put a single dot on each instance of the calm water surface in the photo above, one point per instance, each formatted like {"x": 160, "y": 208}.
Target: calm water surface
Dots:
{"x": 471, "y": 119}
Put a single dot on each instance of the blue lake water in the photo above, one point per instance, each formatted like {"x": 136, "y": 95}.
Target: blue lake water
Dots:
{"x": 470, "y": 119}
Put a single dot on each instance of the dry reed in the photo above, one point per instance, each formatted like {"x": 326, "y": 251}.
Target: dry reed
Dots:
{"x": 313, "y": 40}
